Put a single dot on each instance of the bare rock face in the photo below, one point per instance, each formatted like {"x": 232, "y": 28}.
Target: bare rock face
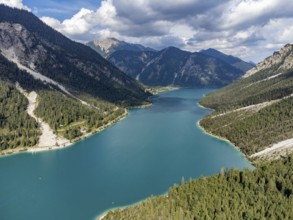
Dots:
{"x": 26, "y": 40}
{"x": 16, "y": 42}
{"x": 282, "y": 60}
{"x": 109, "y": 46}
{"x": 106, "y": 44}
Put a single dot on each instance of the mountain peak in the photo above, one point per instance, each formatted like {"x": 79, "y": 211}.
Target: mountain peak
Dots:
{"x": 282, "y": 59}
{"x": 110, "y": 45}
{"x": 106, "y": 44}
{"x": 172, "y": 48}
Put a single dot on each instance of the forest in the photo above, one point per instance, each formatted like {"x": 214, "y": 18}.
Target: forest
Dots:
{"x": 71, "y": 119}
{"x": 262, "y": 193}
{"x": 17, "y": 128}
{"x": 252, "y": 90}
{"x": 252, "y": 131}
{"x": 267, "y": 118}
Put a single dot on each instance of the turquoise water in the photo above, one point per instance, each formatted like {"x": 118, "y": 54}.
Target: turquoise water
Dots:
{"x": 142, "y": 155}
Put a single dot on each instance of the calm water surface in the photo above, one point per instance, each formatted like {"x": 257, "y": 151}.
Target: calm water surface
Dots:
{"x": 142, "y": 155}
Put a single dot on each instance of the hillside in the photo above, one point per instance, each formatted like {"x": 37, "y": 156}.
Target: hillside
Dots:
{"x": 131, "y": 62}
{"x": 264, "y": 193}
{"x": 63, "y": 89}
{"x": 255, "y": 112}
{"x": 175, "y": 67}
{"x": 26, "y": 39}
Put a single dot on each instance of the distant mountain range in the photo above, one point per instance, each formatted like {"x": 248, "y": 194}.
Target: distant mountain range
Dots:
{"x": 172, "y": 66}
{"x": 110, "y": 45}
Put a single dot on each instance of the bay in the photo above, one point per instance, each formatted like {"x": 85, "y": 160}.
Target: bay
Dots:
{"x": 142, "y": 155}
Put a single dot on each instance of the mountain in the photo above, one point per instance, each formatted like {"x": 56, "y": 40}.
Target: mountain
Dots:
{"x": 255, "y": 113}
{"x": 131, "y": 62}
{"x": 33, "y": 44}
{"x": 172, "y": 66}
{"x": 76, "y": 90}
{"x": 234, "y": 61}
{"x": 110, "y": 45}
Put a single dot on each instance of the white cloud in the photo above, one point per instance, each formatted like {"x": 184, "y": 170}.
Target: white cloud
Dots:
{"x": 241, "y": 27}
{"x": 78, "y": 24}
{"x": 85, "y": 20}
{"x": 15, "y": 4}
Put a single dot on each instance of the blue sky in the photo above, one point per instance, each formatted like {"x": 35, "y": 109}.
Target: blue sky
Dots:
{"x": 249, "y": 29}
{"x": 60, "y": 9}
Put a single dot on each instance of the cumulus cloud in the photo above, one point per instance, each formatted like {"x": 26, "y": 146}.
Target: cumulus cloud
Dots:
{"x": 79, "y": 24}
{"x": 85, "y": 20}
{"x": 240, "y": 27}
{"x": 15, "y": 4}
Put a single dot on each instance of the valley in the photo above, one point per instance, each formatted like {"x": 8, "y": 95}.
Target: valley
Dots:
{"x": 205, "y": 134}
{"x": 255, "y": 115}
{"x": 112, "y": 168}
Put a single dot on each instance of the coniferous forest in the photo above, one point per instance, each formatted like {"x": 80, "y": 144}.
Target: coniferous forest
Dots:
{"x": 264, "y": 193}
{"x": 17, "y": 128}
{"x": 69, "y": 118}
{"x": 252, "y": 131}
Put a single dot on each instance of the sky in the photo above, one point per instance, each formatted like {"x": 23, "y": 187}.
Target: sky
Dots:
{"x": 249, "y": 29}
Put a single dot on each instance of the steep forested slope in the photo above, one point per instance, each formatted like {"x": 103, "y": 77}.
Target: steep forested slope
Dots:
{"x": 69, "y": 118}
{"x": 256, "y": 111}
{"x": 17, "y": 128}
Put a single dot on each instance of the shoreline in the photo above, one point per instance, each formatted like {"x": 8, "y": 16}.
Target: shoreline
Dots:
{"x": 219, "y": 137}
{"x": 35, "y": 149}
{"x": 222, "y": 139}
{"x": 104, "y": 214}
{"x": 156, "y": 90}
{"x": 101, "y": 216}
{"x": 141, "y": 106}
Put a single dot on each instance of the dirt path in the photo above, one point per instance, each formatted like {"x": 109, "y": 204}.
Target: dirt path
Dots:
{"x": 276, "y": 150}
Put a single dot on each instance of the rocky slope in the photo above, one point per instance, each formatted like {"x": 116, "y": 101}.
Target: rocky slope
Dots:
{"x": 23, "y": 37}
{"x": 282, "y": 60}
{"x": 255, "y": 113}
{"x": 110, "y": 45}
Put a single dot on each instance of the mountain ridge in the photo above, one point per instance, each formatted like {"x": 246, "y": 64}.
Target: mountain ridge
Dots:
{"x": 77, "y": 91}
{"x": 232, "y": 60}
{"x": 109, "y": 45}
{"x": 153, "y": 69}
{"x": 175, "y": 67}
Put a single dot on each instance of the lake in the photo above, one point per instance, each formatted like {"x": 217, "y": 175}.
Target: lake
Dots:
{"x": 142, "y": 155}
